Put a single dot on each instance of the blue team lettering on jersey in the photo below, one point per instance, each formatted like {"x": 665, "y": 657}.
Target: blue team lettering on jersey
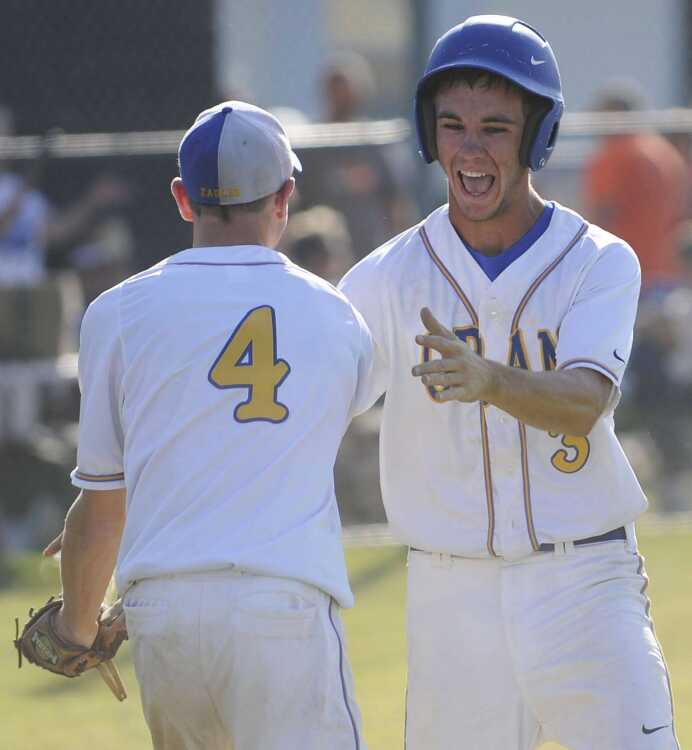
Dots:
{"x": 548, "y": 347}
{"x": 576, "y": 450}
{"x": 517, "y": 351}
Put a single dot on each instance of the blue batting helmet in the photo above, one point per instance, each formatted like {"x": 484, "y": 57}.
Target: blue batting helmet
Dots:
{"x": 507, "y": 47}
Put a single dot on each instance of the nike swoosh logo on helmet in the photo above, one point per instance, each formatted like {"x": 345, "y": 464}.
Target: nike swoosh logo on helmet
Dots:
{"x": 537, "y": 62}
{"x": 655, "y": 729}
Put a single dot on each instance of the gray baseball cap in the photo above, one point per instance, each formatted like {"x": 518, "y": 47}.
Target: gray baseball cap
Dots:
{"x": 235, "y": 153}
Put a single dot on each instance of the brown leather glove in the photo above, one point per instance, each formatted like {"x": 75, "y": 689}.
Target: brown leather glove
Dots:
{"x": 40, "y": 644}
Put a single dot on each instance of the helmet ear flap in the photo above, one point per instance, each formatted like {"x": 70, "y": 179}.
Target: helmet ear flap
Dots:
{"x": 425, "y": 116}
{"x": 538, "y": 109}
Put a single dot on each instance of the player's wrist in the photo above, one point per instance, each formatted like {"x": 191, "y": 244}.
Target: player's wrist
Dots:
{"x": 73, "y": 629}
{"x": 493, "y": 379}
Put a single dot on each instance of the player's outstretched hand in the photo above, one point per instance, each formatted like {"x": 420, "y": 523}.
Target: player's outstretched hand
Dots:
{"x": 460, "y": 375}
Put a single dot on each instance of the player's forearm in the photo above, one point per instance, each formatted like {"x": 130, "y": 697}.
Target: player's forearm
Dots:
{"x": 93, "y": 528}
{"x": 568, "y": 402}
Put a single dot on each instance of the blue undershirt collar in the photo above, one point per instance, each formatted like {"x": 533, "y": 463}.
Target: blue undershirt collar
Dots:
{"x": 494, "y": 265}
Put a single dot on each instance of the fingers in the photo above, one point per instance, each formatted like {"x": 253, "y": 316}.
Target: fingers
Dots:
{"x": 450, "y": 378}
{"x": 453, "y": 394}
{"x": 445, "y": 380}
{"x": 442, "y": 373}
{"x": 110, "y": 675}
{"x": 445, "y": 346}
{"x": 442, "y": 379}
{"x": 434, "y": 365}
{"x": 434, "y": 326}
{"x": 54, "y": 547}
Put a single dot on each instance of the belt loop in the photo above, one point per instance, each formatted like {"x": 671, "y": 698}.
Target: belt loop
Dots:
{"x": 631, "y": 541}
{"x": 562, "y": 548}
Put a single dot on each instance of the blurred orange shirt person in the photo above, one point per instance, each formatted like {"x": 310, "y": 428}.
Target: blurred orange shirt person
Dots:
{"x": 635, "y": 186}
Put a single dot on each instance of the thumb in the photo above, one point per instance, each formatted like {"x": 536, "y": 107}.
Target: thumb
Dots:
{"x": 54, "y": 547}
{"x": 433, "y": 324}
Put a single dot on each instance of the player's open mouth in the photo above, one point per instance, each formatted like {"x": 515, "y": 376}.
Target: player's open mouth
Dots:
{"x": 476, "y": 184}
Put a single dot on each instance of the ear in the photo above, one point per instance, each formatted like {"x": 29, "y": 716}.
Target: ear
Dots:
{"x": 282, "y": 196}
{"x": 181, "y": 199}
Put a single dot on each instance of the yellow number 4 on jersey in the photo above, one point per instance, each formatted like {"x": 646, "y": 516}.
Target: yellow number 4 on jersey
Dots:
{"x": 248, "y": 360}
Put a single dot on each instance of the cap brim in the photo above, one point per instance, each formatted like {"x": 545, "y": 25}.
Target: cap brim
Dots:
{"x": 296, "y": 162}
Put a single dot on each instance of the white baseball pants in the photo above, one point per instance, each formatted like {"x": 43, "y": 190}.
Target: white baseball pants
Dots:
{"x": 232, "y": 661}
{"x": 557, "y": 646}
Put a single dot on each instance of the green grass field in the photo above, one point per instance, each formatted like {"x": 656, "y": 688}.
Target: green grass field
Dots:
{"x": 39, "y": 710}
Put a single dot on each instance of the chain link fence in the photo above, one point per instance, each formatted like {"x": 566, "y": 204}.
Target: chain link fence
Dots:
{"x": 105, "y": 66}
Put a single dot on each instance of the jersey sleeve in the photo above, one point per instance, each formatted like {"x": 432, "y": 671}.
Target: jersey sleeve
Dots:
{"x": 597, "y": 331}
{"x": 360, "y": 287}
{"x": 100, "y": 446}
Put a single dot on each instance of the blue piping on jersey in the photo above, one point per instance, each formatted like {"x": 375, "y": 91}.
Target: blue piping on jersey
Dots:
{"x": 210, "y": 263}
{"x": 341, "y": 675}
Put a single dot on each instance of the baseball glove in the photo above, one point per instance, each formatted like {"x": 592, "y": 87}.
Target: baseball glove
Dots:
{"x": 40, "y": 644}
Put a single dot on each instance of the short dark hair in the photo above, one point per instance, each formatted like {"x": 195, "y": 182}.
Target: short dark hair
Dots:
{"x": 226, "y": 213}
{"x": 484, "y": 79}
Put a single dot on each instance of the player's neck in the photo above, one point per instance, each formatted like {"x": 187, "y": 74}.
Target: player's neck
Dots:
{"x": 495, "y": 235}
{"x": 212, "y": 232}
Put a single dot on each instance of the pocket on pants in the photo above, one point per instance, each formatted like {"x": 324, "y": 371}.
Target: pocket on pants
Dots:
{"x": 275, "y": 614}
{"x": 143, "y": 614}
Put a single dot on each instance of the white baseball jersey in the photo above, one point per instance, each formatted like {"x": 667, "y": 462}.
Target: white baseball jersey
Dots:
{"x": 216, "y": 387}
{"x": 469, "y": 479}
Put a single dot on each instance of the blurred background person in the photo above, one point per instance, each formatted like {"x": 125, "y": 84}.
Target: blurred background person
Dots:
{"x": 658, "y": 389}
{"x": 317, "y": 239}
{"x": 348, "y": 85}
{"x": 35, "y": 235}
{"x": 365, "y": 182}
{"x": 53, "y": 261}
{"x": 635, "y": 186}
{"x": 93, "y": 237}
{"x": 24, "y": 218}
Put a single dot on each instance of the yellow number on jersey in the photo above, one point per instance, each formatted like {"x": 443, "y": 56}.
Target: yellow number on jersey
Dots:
{"x": 248, "y": 360}
{"x": 570, "y": 461}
